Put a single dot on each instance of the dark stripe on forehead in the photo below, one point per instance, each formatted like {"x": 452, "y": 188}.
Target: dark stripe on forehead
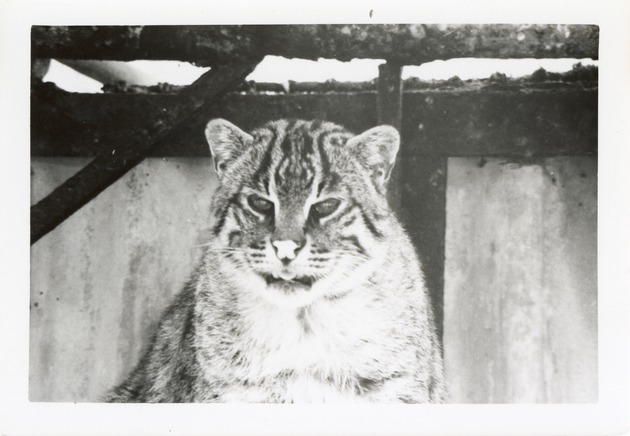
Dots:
{"x": 263, "y": 169}
{"x": 286, "y": 149}
{"x": 321, "y": 139}
{"x": 286, "y": 142}
{"x": 297, "y": 151}
{"x": 323, "y": 157}
{"x": 311, "y": 177}
{"x": 308, "y": 152}
{"x": 307, "y": 149}
{"x": 329, "y": 181}
{"x": 294, "y": 173}
{"x": 281, "y": 166}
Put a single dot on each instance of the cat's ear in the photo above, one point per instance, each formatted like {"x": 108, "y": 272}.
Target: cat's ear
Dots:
{"x": 376, "y": 148}
{"x": 227, "y": 142}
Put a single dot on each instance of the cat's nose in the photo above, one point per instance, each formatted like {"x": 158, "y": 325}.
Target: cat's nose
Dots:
{"x": 287, "y": 250}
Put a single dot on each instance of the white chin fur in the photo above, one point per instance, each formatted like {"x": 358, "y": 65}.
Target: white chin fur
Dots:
{"x": 297, "y": 297}
{"x": 256, "y": 289}
{"x": 290, "y": 300}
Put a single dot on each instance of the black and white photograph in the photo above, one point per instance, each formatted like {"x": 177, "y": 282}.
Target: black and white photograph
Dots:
{"x": 333, "y": 214}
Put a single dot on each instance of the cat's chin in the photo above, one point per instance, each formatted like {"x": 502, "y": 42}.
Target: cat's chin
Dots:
{"x": 298, "y": 291}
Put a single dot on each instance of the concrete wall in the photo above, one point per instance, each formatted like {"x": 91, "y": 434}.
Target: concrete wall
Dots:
{"x": 520, "y": 280}
{"x": 101, "y": 279}
{"x": 520, "y": 298}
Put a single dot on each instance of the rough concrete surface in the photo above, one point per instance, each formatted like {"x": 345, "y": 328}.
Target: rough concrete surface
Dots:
{"x": 100, "y": 280}
{"x": 520, "y": 297}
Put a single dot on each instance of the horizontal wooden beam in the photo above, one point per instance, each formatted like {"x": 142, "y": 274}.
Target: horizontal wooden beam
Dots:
{"x": 585, "y": 76}
{"x": 512, "y": 122}
{"x": 406, "y": 44}
{"x": 546, "y": 122}
{"x": 109, "y": 166}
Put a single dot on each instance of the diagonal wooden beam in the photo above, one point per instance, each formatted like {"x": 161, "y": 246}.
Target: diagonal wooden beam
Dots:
{"x": 109, "y": 166}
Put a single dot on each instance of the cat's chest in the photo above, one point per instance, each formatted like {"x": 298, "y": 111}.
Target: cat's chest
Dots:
{"x": 315, "y": 355}
{"x": 325, "y": 339}
{"x": 311, "y": 369}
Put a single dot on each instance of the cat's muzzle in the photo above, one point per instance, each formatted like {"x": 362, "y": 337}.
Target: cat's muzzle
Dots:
{"x": 288, "y": 284}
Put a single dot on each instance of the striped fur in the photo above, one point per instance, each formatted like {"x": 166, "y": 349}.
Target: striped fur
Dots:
{"x": 309, "y": 291}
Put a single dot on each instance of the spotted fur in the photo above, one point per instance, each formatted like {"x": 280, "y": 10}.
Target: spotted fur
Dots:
{"x": 309, "y": 290}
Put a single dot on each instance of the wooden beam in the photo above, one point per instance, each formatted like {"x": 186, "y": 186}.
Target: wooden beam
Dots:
{"x": 389, "y": 98}
{"x": 110, "y": 165}
{"x": 517, "y": 122}
{"x": 406, "y": 44}
{"x": 389, "y": 111}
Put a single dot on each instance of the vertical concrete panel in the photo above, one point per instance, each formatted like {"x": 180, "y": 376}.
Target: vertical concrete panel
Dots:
{"x": 100, "y": 280}
{"x": 570, "y": 273}
{"x": 520, "y": 281}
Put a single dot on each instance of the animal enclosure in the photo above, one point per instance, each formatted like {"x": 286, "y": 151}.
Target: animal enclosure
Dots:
{"x": 496, "y": 182}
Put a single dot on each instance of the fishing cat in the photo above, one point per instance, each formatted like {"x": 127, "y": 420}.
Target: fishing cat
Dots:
{"x": 309, "y": 289}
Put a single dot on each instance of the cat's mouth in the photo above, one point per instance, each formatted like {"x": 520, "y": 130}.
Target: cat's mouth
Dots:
{"x": 288, "y": 283}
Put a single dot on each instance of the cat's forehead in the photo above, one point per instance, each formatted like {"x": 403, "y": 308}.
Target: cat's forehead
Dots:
{"x": 297, "y": 131}
{"x": 296, "y": 153}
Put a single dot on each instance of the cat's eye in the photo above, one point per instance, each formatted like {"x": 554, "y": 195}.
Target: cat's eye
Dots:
{"x": 259, "y": 204}
{"x": 325, "y": 208}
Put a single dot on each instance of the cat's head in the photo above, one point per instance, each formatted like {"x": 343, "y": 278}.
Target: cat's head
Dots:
{"x": 301, "y": 208}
